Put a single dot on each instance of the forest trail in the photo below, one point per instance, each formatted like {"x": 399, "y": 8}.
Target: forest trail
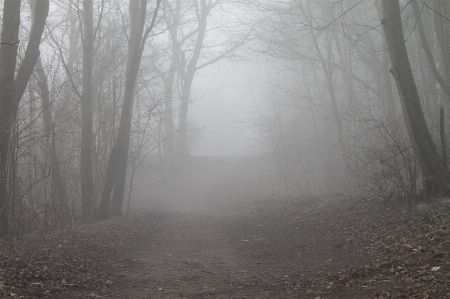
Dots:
{"x": 257, "y": 250}
{"x": 325, "y": 247}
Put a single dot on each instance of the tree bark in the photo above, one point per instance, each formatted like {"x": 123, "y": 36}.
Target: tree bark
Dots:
{"x": 117, "y": 162}
{"x": 426, "y": 48}
{"x": 441, "y": 25}
{"x": 169, "y": 144}
{"x": 86, "y": 177}
{"x": 13, "y": 86}
{"x": 442, "y": 136}
{"x": 172, "y": 16}
{"x": 8, "y": 57}
{"x": 433, "y": 171}
{"x": 388, "y": 95}
{"x": 57, "y": 179}
{"x": 187, "y": 77}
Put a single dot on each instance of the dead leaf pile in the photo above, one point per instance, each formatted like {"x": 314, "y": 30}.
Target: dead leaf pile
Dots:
{"x": 410, "y": 257}
{"x": 75, "y": 258}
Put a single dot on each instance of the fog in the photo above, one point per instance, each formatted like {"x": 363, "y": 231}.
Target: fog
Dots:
{"x": 157, "y": 102}
{"x": 222, "y": 104}
{"x": 224, "y": 149}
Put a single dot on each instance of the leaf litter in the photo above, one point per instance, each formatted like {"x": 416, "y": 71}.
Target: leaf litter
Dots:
{"x": 390, "y": 251}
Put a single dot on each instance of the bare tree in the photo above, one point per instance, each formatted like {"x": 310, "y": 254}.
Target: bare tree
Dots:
{"x": 191, "y": 62}
{"x": 57, "y": 179}
{"x": 87, "y": 183}
{"x": 117, "y": 162}
{"x": 12, "y": 85}
{"x": 433, "y": 169}
{"x": 172, "y": 17}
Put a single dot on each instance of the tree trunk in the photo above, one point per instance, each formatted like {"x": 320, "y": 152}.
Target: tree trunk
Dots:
{"x": 11, "y": 87}
{"x": 187, "y": 77}
{"x": 86, "y": 178}
{"x": 431, "y": 163}
{"x": 389, "y": 114}
{"x": 426, "y": 48}
{"x": 329, "y": 77}
{"x": 172, "y": 16}
{"x": 57, "y": 179}
{"x": 8, "y": 56}
{"x": 335, "y": 110}
{"x": 169, "y": 144}
{"x": 441, "y": 25}
{"x": 182, "y": 148}
{"x": 442, "y": 136}
{"x": 117, "y": 162}
{"x": 388, "y": 95}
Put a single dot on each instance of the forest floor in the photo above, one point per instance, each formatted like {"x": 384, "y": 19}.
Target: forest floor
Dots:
{"x": 224, "y": 233}
{"x": 325, "y": 247}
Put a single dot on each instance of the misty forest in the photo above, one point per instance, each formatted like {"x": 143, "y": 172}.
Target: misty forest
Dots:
{"x": 224, "y": 149}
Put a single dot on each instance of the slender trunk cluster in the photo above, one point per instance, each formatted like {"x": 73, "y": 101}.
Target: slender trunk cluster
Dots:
{"x": 63, "y": 212}
{"x": 187, "y": 77}
{"x": 13, "y": 84}
{"x": 86, "y": 177}
{"x": 118, "y": 159}
{"x": 323, "y": 94}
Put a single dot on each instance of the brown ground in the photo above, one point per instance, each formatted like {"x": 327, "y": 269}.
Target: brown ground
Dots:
{"x": 216, "y": 247}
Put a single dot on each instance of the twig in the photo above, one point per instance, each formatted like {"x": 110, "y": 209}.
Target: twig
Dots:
{"x": 361, "y": 200}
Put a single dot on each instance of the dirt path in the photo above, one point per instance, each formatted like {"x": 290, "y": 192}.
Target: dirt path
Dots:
{"x": 187, "y": 256}
{"x": 254, "y": 251}
{"x": 218, "y": 235}
{"x": 308, "y": 248}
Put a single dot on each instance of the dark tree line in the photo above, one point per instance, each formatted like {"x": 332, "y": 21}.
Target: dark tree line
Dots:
{"x": 348, "y": 103}
{"x": 365, "y": 96}
{"x": 89, "y": 91}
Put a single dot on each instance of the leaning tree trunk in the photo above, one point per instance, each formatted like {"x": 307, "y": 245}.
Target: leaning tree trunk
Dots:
{"x": 117, "y": 162}
{"x": 86, "y": 178}
{"x": 433, "y": 170}
{"x": 13, "y": 86}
